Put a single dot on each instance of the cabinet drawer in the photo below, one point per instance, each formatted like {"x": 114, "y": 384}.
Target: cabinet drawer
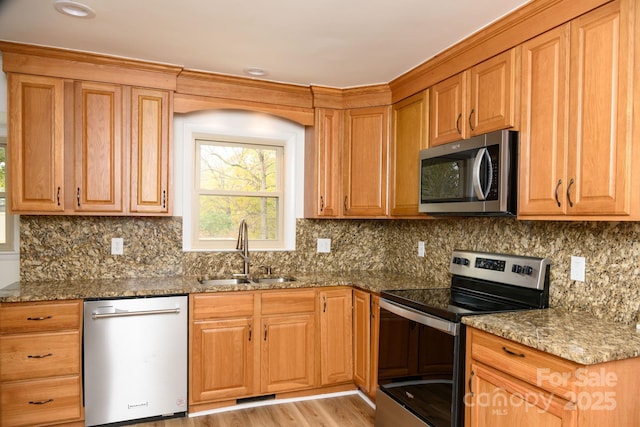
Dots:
{"x": 535, "y": 367}
{"x": 289, "y": 301}
{"x": 39, "y": 317}
{"x": 210, "y": 306}
{"x": 40, "y": 402}
{"x": 39, "y": 355}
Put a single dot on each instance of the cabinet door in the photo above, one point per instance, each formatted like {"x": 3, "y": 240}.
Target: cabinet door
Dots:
{"x": 150, "y": 154}
{"x": 410, "y": 134}
{"x": 328, "y": 137}
{"x": 335, "y": 336}
{"x": 375, "y": 332}
{"x": 498, "y": 400}
{"x": 600, "y": 99}
{"x": 365, "y": 156}
{"x": 288, "y": 353}
{"x": 492, "y": 93}
{"x": 544, "y": 124}
{"x": 447, "y": 115}
{"x": 222, "y": 359}
{"x": 98, "y": 147}
{"x": 36, "y": 143}
{"x": 361, "y": 339}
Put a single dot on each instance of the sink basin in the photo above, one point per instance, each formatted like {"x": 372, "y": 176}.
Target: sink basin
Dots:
{"x": 224, "y": 282}
{"x": 281, "y": 279}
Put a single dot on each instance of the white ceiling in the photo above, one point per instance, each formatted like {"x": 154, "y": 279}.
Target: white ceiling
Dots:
{"x": 336, "y": 43}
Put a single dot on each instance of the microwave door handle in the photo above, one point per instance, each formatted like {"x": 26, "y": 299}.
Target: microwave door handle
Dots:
{"x": 481, "y": 193}
{"x": 475, "y": 177}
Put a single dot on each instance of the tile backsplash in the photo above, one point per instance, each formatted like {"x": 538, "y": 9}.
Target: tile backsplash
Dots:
{"x": 65, "y": 247}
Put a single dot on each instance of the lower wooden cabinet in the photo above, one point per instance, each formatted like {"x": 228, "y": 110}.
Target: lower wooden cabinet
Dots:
{"x": 336, "y": 364}
{"x": 40, "y": 364}
{"x": 366, "y": 326}
{"x": 509, "y": 384}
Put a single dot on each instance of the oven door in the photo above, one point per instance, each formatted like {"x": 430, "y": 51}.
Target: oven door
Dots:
{"x": 420, "y": 369}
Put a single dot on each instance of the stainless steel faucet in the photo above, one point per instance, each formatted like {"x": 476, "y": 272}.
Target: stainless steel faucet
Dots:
{"x": 243, "y": 245}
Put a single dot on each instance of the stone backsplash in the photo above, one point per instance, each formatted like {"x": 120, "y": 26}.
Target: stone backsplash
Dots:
{"x": 57, "y": 247}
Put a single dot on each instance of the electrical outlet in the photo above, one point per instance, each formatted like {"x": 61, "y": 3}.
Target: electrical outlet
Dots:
{"x": 324, "y": 246}
{"x": 578, "y": 267}
{"x": 117, "y": 246}
{"x": 421, "y": 249}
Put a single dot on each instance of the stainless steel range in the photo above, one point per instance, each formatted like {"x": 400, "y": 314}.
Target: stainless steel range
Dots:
{"x": 421, "y": 353}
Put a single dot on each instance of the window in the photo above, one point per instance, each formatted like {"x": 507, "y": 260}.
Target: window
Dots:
{"x": 236, "y": 179}
{"x": 6, "y": 220}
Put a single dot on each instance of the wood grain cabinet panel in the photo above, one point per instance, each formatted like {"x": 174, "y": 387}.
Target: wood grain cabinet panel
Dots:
{"x": 366, "y": 312}
{"x": 40, "y": 363}
{"x": 476, "y": 101}
{"x": 365, "y": 158}
{"x": 98, "y": 150}
{"x": 150, "y": 156}
{"x": 576, "y": 144}
{"x": 410, "y": 134}
{"x": 511, "y": 384}
{"x": 36, "y": 143}
{"x": 336, "y": 336}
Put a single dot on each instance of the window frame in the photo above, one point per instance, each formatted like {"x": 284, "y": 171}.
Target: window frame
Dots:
{"x": 9, "y": 244}
{"x": 250, "y": 142}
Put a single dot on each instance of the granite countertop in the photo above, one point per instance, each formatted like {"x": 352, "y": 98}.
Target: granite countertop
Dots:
{"x": 576, "y": 336}
{"x": 374, "y": 281}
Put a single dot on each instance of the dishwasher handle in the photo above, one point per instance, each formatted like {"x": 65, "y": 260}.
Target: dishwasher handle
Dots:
{"x": 135, "y": 313}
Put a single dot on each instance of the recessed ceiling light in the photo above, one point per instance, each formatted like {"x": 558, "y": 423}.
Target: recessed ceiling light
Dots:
{"x": 74, "y": 9}
{"x": 255, "y": 71}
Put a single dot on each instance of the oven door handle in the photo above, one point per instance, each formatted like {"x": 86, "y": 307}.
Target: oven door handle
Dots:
{"x": 451, "y": 328}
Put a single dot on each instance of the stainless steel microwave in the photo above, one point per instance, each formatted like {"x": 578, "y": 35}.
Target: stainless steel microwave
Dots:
{"x": 472, "y": 177}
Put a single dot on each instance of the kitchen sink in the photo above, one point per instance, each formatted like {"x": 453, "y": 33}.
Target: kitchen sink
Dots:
{"x": 244, "y": 280}
{"x": 281, "y": 279}
{"x": 224, "y": 282}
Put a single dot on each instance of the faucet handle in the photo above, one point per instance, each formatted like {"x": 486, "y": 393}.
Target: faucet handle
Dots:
{"x": 267, "y": 269}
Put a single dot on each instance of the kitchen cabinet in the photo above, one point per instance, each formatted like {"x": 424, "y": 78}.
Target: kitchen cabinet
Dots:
{"x": 326, "y": 164}
{"x": 365, "y": 158}
{"x": 475, "y": 101}
{"x": 36, "y": 143}
{"x": 336, "y": 364}
{"x": 151, "y": 116}
{"x": 288, "y": 357}
{"x": 68, "y": 144}
{"x": 40, "y": 363}
{"x": 222, "y": 349}
{"x": 98, "y": 148}
{"x": 410, "y": 134}
{"x": 512, "y": 384}
{"x": 365, "y": 341}
{"x": 576, "y": 143}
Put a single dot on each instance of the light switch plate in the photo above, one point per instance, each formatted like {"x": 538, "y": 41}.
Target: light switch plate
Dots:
{"x": 421, "y": 249}
{"x": 578, "y": 267}
{"x": 324, "y": 246}
{"x": 117, "y": 246}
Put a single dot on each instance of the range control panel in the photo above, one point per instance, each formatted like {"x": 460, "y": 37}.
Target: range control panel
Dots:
{"x": 528, "y": 272}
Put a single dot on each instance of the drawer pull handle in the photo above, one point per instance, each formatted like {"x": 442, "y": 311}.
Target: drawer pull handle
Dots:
{"x": 39, "y": 356}
{"x": 513, "y": 353}
{"x": 39, "y": 318}
{"x": 471, "y": 383}
{"x": 40, "y": 402}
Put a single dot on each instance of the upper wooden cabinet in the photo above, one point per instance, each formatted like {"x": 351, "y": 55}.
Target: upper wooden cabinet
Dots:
{"x": 475, "y": 101}
{"x": 36, "y": 143}
{"x": 98, "y": 150}
{"x": 365, "y": 157}
{"x": 323, "y": 166}
{"x": 69, "y": 143}
{"x": 576, "y": 137}
{"x": 151, "y": 116}
{"x": 410, "y": 134}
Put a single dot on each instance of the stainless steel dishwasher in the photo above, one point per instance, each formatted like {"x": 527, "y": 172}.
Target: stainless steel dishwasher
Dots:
{"x": 135, "y": 359}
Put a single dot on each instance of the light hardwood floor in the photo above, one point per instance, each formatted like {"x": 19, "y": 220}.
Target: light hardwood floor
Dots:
{"x": 344, "y": 411}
